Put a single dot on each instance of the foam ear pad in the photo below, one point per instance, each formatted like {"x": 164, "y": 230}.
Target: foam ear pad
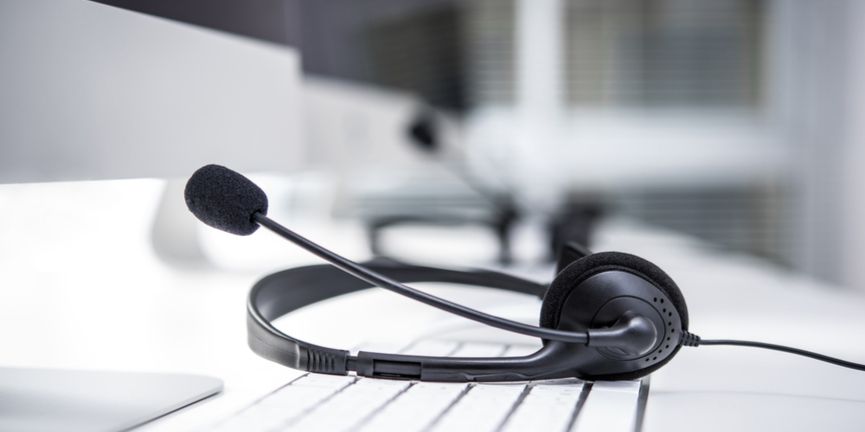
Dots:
{"x": 575, "y": 273}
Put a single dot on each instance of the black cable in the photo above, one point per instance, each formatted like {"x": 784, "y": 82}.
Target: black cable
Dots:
{"x": 694, "y": 340}
{"x": 380, "y": 280}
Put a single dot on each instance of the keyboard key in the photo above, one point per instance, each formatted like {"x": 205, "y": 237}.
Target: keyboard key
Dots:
{"x": 329, "y": 402}
{"x": 479, "y": 350}
{"x": 287, "y": 403}
{"x": 321, "y": 380}
{"x": 352, "y": 404}
{"x": 431, "y": 348}
{"x": 482, "y": 408}
{"x": 547, "y": 407}
{"x": 611, "y": 406}
{"x": 416, "y": 408}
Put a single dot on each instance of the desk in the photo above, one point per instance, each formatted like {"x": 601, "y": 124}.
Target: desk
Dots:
{"x": 81, "y": 288}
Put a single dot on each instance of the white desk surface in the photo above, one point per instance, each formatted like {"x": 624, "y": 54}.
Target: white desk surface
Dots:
{"x": 81, "y": 288}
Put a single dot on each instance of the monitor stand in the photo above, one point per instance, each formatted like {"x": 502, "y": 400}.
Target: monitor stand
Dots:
{"x": 175, "y": 232}
{"x": 71, "y": 400}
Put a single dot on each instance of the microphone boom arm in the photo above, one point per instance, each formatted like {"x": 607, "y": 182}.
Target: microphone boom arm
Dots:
{"x": 379, "y": 280}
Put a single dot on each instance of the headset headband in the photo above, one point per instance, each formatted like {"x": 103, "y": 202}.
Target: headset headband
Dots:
{"x": 286, "y": 291}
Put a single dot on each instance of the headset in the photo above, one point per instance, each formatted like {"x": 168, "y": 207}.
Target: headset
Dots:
{"x": 605, "y": 316}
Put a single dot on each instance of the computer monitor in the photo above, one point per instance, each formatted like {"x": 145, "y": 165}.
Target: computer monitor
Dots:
{"x": 91, "y": 91}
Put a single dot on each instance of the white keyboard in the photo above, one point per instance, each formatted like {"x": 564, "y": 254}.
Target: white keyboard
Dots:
{"x": 347, "y": 403}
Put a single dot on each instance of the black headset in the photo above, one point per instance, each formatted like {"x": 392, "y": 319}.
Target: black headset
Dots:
{"x": 605, "y": 316}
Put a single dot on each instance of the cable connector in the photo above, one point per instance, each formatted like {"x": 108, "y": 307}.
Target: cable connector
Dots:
{"x": 690, "y": 339}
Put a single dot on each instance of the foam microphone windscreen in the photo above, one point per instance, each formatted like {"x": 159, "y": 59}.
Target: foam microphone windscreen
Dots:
{"x": 225, "y": 199}
{"x": 423, "y": 132}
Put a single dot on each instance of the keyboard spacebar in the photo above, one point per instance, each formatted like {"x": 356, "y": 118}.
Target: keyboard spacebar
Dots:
{"x": 483, "y": 408}
{"x": 349, "y": 407}
{"x": 417, "y": 408}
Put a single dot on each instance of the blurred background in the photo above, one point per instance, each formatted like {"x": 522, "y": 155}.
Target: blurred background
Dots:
{"x": 734, "y": 123}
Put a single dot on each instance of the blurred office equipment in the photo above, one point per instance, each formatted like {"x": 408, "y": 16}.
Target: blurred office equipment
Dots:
{"x": 733, "y": 121}
{"x": 465, "y": 202}
{"x": 663, "y": 108}
{"x": 727, "y": 120}
{"x": 619, "y": 109}
{"x": 44, "y": 400}
{"x": 94, "y": 92}
{"x": 574, "y": 222}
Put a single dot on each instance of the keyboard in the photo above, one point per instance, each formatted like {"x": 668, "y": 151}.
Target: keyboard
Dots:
{"x": 348, "y": 403}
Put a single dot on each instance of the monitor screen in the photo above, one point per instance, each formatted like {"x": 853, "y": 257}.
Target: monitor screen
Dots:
{"x": 92, "y": 91}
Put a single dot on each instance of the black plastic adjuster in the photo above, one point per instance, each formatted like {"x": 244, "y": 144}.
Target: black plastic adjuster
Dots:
{"x": 380, "y": 365}
{"x": 326, "y": 361}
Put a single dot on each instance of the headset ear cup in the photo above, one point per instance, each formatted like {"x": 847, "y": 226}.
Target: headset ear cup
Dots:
{"x": 571, "y": 276}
